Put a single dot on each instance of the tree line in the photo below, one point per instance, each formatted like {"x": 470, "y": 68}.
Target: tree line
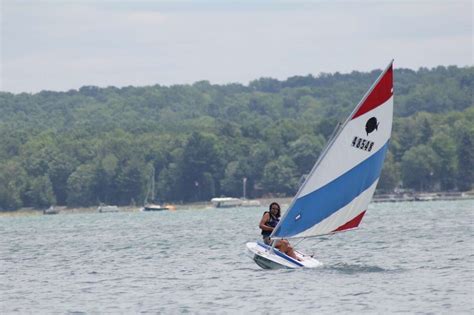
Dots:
{"x": 99, "y": 145}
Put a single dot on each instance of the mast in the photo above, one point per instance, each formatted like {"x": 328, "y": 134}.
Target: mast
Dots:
{"x": 153, "y": 184}
{"x": 151, "y": 187}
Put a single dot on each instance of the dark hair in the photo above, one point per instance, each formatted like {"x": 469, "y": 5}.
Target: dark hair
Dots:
{"x": 279, "y": 208}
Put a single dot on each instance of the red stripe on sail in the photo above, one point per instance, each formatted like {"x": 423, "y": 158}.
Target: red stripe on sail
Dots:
{"x": 379, "y": 95}
{"x": 351, "y": 224}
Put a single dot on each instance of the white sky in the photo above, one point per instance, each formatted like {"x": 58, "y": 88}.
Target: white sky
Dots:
{"x": 62, "y": 45}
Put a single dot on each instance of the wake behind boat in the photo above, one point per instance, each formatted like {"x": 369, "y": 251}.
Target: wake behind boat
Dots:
{"x": 340, "y": 186}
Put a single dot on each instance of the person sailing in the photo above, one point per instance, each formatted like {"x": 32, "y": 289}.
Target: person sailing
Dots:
{"x": 268, "y": 222}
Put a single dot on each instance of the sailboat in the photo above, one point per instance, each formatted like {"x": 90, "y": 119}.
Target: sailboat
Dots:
{"x": 150, "y": 206}
{"x": 336, "y": 193}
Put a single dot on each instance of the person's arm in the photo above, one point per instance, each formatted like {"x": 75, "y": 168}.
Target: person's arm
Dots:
{"x": 264, "y": 220}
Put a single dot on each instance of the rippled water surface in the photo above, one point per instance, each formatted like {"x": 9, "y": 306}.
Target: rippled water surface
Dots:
{"x": 406, "y": 257}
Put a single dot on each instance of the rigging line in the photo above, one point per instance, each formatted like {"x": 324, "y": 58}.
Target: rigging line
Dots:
{"x": 312, "y": 254}
{"x": 320, "y": 238}
{"x": 316, "y": 236}
{"x": 301, "y": 240}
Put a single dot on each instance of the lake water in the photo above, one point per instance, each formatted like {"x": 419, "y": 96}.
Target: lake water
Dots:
{"x": 406, "y": 257}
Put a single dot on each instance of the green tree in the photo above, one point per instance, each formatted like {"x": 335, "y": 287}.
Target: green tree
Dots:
{"x": 107, "y": 170}
{"x": 279, "y": 176}
{"x": 253, "y": 166}
{"x": 81, "y": 186}
{"x": 40, "y": 192}
{"x": 390, "y": 176}
{"x": 13, "y": 184}
{"x": 419, "y": 166}
{"x": 94, "y": 144}
{"x": 233, "y": 181}
{"x": 60, "y": 167}
{"x": 201, "y": 159}
{"x": 130, "y": 181}
{"x": 425, "y": 130}
{"x": 305, "y": 151}
{"x": 445, "y": 148}
{"x": 465, "y": 148}
{"x": 168, "y": 184}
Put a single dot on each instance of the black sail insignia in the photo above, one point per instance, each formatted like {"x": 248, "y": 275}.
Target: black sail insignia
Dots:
{"x": 371, "y": 125}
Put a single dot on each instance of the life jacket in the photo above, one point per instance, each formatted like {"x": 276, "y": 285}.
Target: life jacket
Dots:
{"x": 272, "y": 222}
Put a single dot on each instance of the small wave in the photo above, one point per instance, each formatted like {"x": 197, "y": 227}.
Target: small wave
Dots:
{"x": 352, "y": 269}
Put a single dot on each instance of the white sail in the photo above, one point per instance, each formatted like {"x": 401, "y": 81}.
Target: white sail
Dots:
{"x": 339, "y": 188}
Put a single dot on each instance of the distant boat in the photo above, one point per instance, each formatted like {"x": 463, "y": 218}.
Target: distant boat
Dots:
{"x": 229, "y": 202}
{"x": 51, "y": 210}
{"x": 106, "y": 208}
{"x": 155, "y": 207}
{"x": 150, "y": 206}
{"x": 226, "y": 202}
{"x": 251, "y": 203}
{"x": 425, "y": 197}
{"x": 335, "y": 195}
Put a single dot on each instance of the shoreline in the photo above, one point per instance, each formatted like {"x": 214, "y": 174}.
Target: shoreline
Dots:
{"x": 27, "y": 211}
{"x": 439, "y": 196}
{"x": 264, "y": 202}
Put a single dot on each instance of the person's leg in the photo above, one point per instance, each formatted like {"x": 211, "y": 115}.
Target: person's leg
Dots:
{"x": 285, "y": 247}
{"x": 281, "y": 246}
{"x": 290, "y": 252}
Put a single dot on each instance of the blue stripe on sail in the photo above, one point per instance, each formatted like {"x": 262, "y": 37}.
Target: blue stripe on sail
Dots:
{"x": 316, "y": 206}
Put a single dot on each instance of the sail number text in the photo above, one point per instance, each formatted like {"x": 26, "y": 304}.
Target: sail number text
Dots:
{"x": 362, "y": 144}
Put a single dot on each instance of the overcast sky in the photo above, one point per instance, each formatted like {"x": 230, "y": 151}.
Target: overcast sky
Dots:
{"x": 63, "y": 45}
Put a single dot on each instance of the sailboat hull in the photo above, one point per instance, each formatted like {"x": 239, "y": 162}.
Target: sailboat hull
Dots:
{"x": 154, "y": 208}
{"x": 267, "y": 258}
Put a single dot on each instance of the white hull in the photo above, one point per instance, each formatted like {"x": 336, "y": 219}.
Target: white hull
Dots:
{"x": 226, "y": 202}
{"x": 104, "y": 209}
{"x": 268, "y": 259}
{"x": 154, "y": 208}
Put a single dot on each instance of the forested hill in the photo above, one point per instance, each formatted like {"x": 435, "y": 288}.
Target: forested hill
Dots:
{"x": 80, "y": 148}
